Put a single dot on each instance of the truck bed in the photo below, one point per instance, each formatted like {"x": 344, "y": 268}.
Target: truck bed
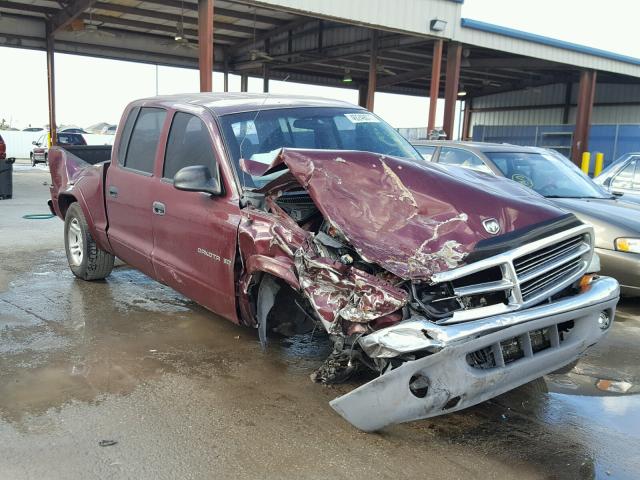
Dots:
{"x": 91, "y": 154}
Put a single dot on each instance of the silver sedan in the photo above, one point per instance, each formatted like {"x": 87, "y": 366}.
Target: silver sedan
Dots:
{"x": 615, "y": 220}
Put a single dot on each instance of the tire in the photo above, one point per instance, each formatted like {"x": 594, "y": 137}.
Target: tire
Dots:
{"x": 33, "y": 160}
{"x": 46, "y": 159}
{"x": 86, "y": 260}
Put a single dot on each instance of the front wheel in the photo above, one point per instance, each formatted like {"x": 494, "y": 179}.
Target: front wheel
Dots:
{"x": 86, "y": 260}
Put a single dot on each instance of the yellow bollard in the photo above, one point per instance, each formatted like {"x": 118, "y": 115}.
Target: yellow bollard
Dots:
{"x": 586, "y": 162}
{"x": 599, "y": 164}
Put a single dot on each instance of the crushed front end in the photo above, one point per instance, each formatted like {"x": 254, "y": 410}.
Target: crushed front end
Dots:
{"x": 396, "y": 262}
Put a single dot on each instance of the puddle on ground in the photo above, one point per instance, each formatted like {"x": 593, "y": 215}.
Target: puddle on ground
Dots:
{"x": 64, "y": 341}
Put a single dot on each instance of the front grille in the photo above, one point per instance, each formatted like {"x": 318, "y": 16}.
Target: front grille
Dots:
{"x": 525, "y": 276}
{"x": 544, "y": 268}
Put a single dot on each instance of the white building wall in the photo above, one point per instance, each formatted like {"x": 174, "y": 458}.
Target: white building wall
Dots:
{"x": 412, "y": 16}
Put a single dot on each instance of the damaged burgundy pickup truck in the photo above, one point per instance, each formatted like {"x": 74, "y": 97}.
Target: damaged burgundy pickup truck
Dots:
{"x": 284, "y": 213}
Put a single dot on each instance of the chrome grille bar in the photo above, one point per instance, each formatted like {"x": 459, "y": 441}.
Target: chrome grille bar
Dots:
{"x": 531, "y": 273}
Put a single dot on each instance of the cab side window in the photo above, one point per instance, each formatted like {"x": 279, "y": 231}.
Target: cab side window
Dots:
{"x": 143, "y": 144}
{"x": 462, "y": 158}
{"x": 189, "y": 144}
{"x": 625, "y": 178}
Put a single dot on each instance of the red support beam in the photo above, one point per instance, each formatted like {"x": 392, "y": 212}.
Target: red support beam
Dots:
{"x": 373, "y": 70}
{"x": 434, "y": 90}
{"x": 362, "y": 96}
{"x": 51, "y": 86}
{"x": 454, "y": 59}
{"x": 586, "y": 96}
{"x": 466, "y": 120}
{"x": 205, "y": 44}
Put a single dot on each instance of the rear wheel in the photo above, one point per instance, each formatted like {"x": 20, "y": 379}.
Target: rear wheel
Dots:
{"x": 33, "y": 159}
{"x": 86, "y": 260}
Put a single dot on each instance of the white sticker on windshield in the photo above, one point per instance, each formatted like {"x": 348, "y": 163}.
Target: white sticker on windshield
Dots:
{"x": 361, "y": 118}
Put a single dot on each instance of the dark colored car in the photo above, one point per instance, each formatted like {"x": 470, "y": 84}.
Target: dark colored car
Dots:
{"x": 616, "y": 221}
{"x": 289, "y": 213}
{"x": 40, "y": 151}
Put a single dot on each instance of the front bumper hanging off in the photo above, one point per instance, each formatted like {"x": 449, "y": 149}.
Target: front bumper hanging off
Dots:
{"x": 454, "y": 381}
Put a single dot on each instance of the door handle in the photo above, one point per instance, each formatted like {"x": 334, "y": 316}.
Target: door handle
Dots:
{"x": 158, "y": 208}
{"x": 113, "y": 192}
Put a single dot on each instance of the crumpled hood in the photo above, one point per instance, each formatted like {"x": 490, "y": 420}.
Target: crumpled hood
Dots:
{"x": 412, "y": 219}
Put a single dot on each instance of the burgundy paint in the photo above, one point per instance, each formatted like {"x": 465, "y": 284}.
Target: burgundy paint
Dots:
{"x": 389, "y": 209}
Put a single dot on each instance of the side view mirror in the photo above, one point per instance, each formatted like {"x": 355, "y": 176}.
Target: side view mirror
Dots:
{"x": 35, "y": 143}
{"x": 197, "y": 178}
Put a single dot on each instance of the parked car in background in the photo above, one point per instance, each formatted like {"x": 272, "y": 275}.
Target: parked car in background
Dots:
{"x": 616, "y": 222}
{"x": 40, "y": 150}
{"x": 622, "y": 177}
{"x": 72, "y": 130}
{"x": 287, "y": 213}
{"x": 33, "y": 129}
{"x": 110, "y": 130}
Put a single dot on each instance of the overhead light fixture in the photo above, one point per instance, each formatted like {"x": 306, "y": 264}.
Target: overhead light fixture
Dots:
{"x": 438, "y": 25}
{"x": 462, "y": 92}
{"x": 347, "y": 76}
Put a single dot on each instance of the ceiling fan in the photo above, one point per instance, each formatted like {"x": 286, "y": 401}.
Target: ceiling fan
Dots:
{"x": 179, "y": 40}
{"x": 255, "y": 54}
{"x": 88, "y": 27}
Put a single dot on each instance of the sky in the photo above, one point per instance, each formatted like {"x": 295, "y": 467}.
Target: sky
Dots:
{"x": 92, "y": 90}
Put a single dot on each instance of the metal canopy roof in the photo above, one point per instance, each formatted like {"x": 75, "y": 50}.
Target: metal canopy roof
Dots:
{"x": 253, "y": 37}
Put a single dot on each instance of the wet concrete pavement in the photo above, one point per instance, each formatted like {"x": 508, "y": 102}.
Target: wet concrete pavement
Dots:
{"x": 186, "y": 394}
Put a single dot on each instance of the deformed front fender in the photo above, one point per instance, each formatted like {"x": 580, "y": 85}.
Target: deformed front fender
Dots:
{"x": 276, "y": 267}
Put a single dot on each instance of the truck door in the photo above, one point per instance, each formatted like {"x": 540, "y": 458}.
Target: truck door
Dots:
{"x": 129, "y": 187}
{"x": 195, "y": 233}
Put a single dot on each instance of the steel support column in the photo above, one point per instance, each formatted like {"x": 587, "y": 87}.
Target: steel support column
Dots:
{"x": 205, "y": 44}
{"x": 226, "y": 73}
{"x": 466, "y": 119}
{"x": 454, "y": 59}
{"x": 244, "y": 83}
{"x": 373, "y": 70}
{"x": 265, "y": 68}
{"x": 586, "y": 94}
{"x": 434, "y": 90}
{"x": 362, "y": 96}
{"x": 51, "y": 87}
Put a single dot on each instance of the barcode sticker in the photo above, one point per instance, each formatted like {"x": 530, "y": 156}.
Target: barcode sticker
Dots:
{"x": 361, "y": 118}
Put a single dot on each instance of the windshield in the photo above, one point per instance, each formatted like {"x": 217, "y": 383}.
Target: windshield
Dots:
{"x": 551, "y": 175}
{"x": 614, "y": 165}
{"x": 260, "y": 136}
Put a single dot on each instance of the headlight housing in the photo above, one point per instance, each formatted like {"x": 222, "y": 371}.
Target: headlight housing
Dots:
{"x": 628, "y": 245}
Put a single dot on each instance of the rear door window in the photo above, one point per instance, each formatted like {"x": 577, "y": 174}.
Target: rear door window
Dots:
{"x": 189, "y": 144}
{"x": 126, "y": 134}
{"x": 143, "y": 144}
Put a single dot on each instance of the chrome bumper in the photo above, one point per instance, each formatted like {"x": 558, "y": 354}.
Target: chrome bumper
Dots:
{"x": 453, "y": 384}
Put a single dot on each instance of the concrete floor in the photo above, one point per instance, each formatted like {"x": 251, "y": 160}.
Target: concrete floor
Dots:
{"x": 186, "y": 394}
